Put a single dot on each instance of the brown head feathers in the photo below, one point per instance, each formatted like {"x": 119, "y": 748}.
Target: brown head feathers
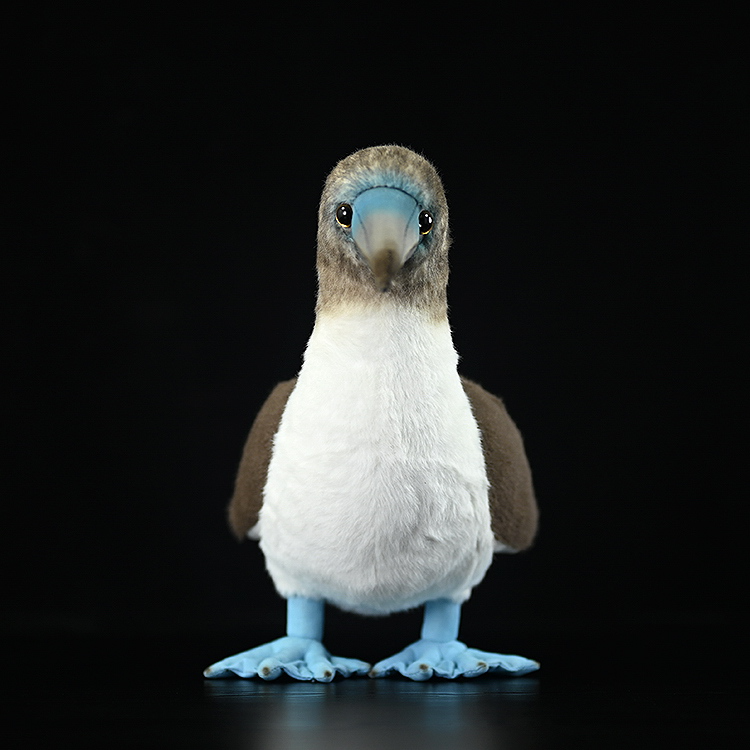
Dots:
{"x": 345, "y": 277}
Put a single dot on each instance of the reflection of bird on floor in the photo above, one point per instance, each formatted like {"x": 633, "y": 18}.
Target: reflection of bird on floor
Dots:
{"x": 379, "y": 480}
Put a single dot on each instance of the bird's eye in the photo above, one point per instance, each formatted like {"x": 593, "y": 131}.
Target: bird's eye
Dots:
{"x": 425, "y": 222}
{"x": 344, "y": 215}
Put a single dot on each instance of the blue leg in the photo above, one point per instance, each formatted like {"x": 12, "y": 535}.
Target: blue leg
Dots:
{"x": 300, "y": 653}
{"x": 438, "y": 652}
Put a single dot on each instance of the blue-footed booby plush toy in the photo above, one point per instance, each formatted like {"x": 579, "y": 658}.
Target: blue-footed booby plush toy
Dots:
{"x": 378, "y": 479}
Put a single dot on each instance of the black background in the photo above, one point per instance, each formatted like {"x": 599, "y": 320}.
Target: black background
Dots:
{"x": 159, "y": 278}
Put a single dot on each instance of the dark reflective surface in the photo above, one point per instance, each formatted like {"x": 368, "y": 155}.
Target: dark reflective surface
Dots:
{"x": 380, "y": 713}
{"x": 620, "y": 690}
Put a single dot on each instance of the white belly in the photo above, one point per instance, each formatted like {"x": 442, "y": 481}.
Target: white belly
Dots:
{"x": 376, "y": 498}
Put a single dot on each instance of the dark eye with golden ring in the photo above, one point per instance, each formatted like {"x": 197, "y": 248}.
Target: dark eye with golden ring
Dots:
{"x": 425, "y": 222}
{"x": 344, "y": 215}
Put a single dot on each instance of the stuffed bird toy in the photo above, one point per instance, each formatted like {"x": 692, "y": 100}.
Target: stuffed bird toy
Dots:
{"x": 380, "y": 480}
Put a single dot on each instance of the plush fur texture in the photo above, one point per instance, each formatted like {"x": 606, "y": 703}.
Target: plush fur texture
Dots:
{"x": 513, "y": 510}
{"x": 376, "y": 498}
{"x": 379, "y": 479}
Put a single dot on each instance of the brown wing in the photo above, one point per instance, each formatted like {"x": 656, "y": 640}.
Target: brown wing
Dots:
{"x": 513, "y": 509}
{"x": 253, "y": 472}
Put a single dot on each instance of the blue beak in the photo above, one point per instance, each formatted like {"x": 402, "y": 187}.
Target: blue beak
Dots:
{"x": 385, "y": 228}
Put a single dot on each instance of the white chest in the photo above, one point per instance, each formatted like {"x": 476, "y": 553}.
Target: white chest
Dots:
{"x": 377, "y": 487}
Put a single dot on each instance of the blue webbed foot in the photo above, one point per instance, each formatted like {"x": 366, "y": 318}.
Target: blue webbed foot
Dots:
{"x": 300, "y": 658}
{"x": 425, "y": 658}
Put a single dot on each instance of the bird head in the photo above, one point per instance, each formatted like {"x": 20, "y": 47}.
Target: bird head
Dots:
{"x": 383, "y": 231}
